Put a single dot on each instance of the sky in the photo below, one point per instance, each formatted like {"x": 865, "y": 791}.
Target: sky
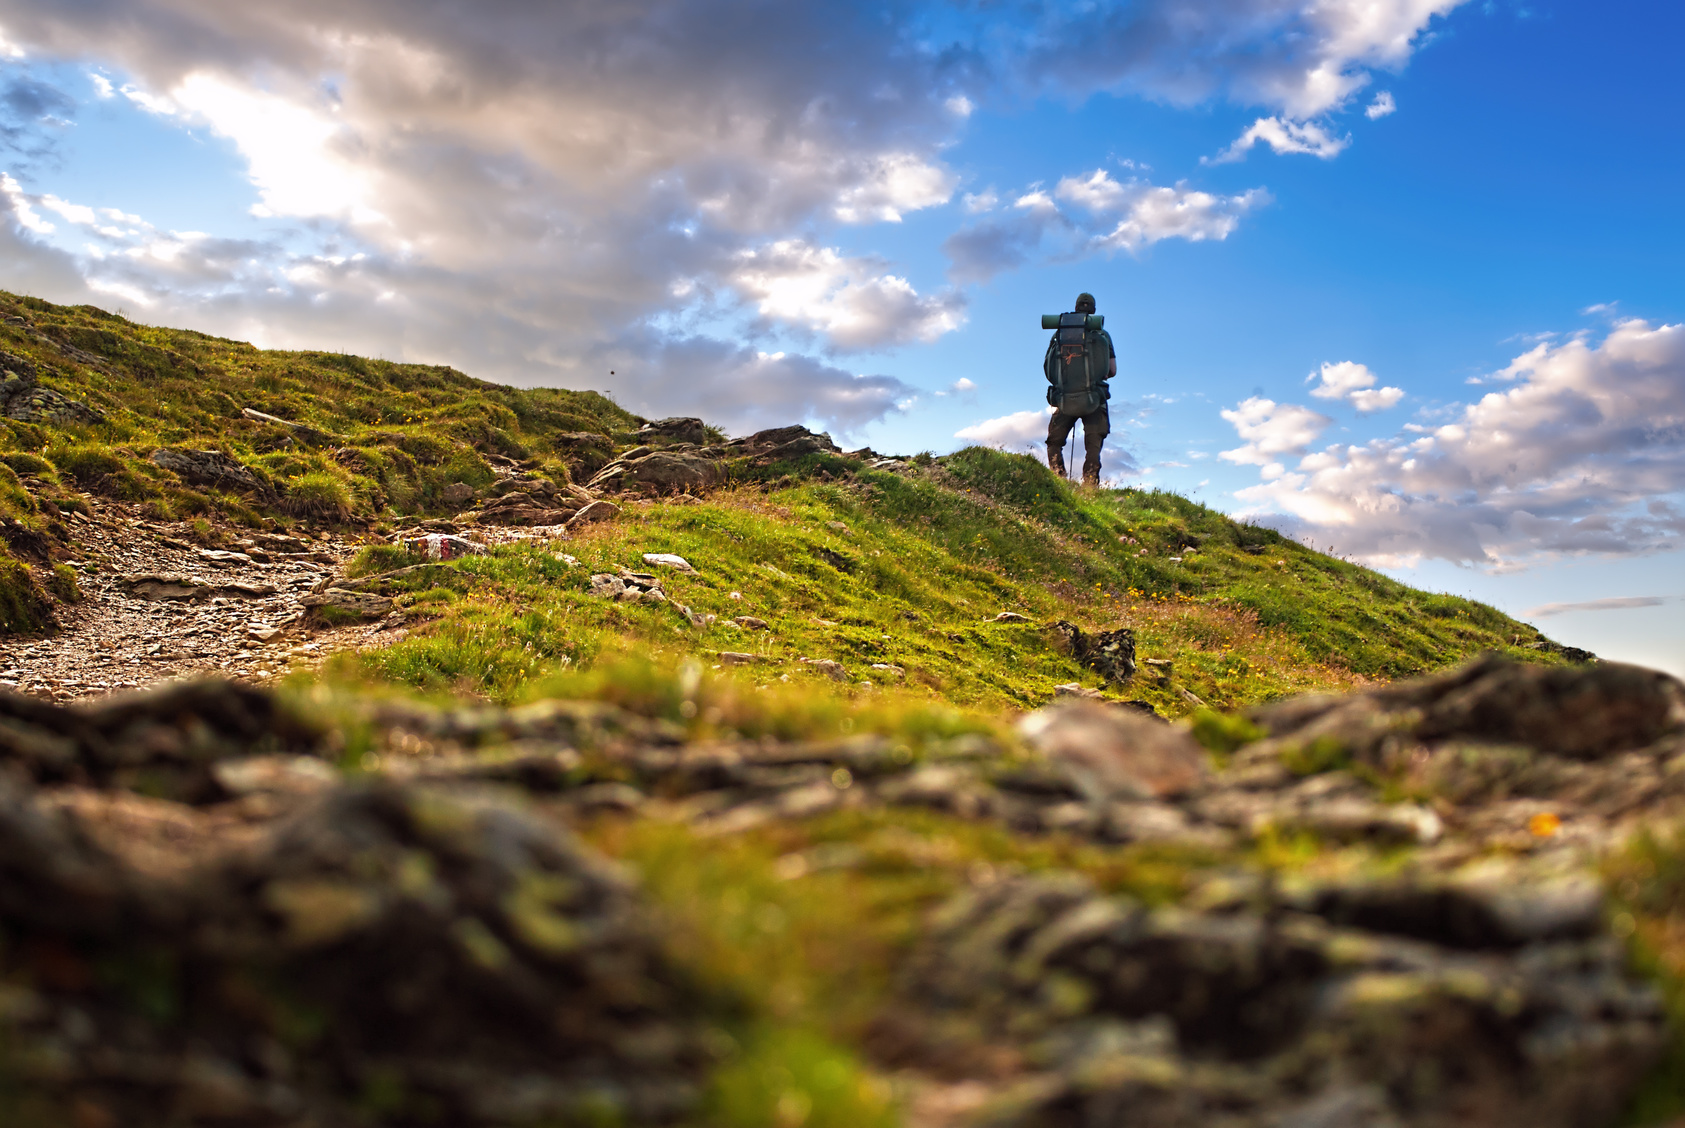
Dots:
{"x": 1401, "y": 278}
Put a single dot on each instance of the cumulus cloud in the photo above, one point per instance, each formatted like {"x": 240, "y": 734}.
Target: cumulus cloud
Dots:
{"x": 1583, "y": 452}
{"x": 1285, "y": 136}
{"x": 1090, "y": 213}
{"x": 1302, "y": 58}
{"x": 817, "y": 288}
{"x": 1272, "y": 431}
{"x": 1381, "y": 106}
{"x": 1355, "y": 384}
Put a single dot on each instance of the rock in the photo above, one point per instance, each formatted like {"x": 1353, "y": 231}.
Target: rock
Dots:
{"x": 496, "y": 969}
{"x": 441, "y": 546}
{"x": 1177, "y": 1018}
{"x": 750, "y": 623}
{"x": 1010, "y": 617}
{"x": 1583, "y": 712}
{"x": 263, "y": 632}
{"x": 827, "y": 666}
{"x": 1115, "y": 753}
{"x": 593, "y": 512}
{"x": 890, "y": 670}
{"x": 607, "y": 586}
{"x": 457, "y": 494}
{"x": 1111, "y": 654}
{"x": 338, "y": 603}
{"x": 660, "y": 472}
{"x": 676, "y": 430}
{"x": 220, "y": 556}
{"x": 737, "y": 658}
{"x": 668, "y": 560}
{"x": 23, "y": 399}
{"x": 164, "y": 586}
{"x": 1072, "y": 689}
{"x": 778, "y": 443}
{"x": 303, "y": 431}
{"x": 209, "y": 468}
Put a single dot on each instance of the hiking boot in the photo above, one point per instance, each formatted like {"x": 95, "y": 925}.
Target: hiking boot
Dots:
{"x": 1056, "y": 460}
{"x": 1091, "y": 473}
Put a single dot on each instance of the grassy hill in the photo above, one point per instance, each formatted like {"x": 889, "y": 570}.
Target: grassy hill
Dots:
{"x": 894, "y": 567}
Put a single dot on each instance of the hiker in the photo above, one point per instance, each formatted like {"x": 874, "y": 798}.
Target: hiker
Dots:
{"x": 1079, "y": 362}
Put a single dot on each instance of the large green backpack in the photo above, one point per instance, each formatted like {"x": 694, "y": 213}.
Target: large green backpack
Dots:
{"x": 1078, "y": 362}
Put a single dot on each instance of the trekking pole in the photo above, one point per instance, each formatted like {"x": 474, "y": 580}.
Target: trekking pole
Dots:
{"x": 1070, "y": 459}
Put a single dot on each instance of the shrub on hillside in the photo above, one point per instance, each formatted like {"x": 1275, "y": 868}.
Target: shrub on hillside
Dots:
{"x": 22, "y": 606}
{"x": 318, "y": 496}
{"x": 101, "y": 470}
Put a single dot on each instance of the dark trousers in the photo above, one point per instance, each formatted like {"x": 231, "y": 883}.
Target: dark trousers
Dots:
{"x": 1096, "y": 425}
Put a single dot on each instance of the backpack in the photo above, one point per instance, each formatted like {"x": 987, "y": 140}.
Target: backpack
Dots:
{"x": 1077, "y": 366}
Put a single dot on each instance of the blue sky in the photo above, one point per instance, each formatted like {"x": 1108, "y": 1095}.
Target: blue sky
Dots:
{"x": 1430, "y": 317}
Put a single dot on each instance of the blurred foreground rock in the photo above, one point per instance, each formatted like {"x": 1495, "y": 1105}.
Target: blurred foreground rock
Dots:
{"x": 336, "y": 954}
{"x": 206, "y": 920}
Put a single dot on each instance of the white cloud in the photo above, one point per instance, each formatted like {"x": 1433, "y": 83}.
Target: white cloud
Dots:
{"x": 1381, "y": 106}
{"x": 1271, "y": 431}
{"x": 817, "y": 288}
{"x": 103, "y": 89}
{"x": 1583, "y": 453}
{"x": 1103, "y": 215}
{"x": 1301, "y": 57}
{"x": 975, "y": 203}
{"x": 1285, "y": 136}
{"x": 899, "y": 183}
{"x": 1618, "y": 603}
{"x": 1355, "y": 384}
{"x": 24, "y": 215}
{"x": 1020, "y": 431}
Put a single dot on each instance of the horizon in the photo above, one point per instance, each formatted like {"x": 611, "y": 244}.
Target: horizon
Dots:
{"x": 1394, "y": 278}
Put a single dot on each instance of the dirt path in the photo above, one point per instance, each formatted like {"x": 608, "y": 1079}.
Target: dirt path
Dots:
{"x": 156, "y": 607}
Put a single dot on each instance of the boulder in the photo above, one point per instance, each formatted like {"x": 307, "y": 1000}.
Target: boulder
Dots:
{"x": 676, "y": 430}
{"x": 472, "y": 960}
{"x": 1582, "y": 712}
{"x": 668, "y": 560}
{"x": 827, "y": 666}
{"x": 457, "y": 494}
{"x": 660, "y": 472}
{"x": 593, "y": 512}
{"x": 25, "y": 400}
{"x": 209, "y": 468}
{"x": 338, "y": 603}
{"x": 1111, "y": 654}
{"x": 1116, "y": 753}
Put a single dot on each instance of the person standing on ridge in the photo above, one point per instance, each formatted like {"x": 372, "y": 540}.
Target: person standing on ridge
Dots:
{"x": 1079, "y": 361}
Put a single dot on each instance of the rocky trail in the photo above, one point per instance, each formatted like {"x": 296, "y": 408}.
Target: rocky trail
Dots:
{"x": 155, "y": 606}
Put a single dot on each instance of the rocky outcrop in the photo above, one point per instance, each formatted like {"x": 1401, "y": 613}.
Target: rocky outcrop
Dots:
{"x": 675, "y": 470}
{"x": 24, "y": 399}
{"x": 676, "y": 430}
{"x": 210, "y": 468}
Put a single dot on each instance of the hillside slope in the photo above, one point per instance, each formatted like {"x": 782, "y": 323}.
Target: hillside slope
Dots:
{"x": 857, "y": 560}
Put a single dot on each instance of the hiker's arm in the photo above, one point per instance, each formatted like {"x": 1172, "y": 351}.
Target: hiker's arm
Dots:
{"x": 1112, "y": 370}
